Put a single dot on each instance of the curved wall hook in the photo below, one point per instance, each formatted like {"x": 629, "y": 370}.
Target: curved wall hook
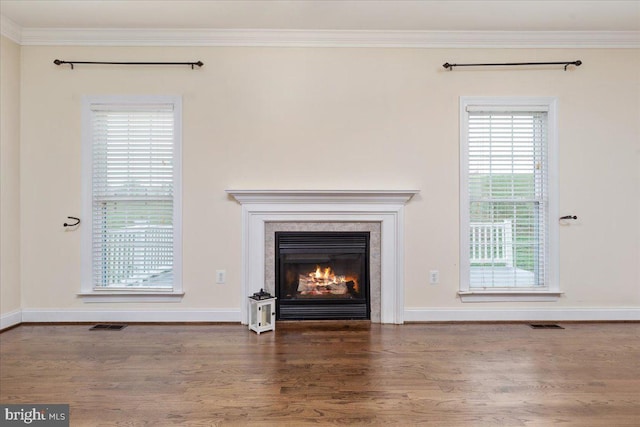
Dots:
{"x": 74, "y": 224}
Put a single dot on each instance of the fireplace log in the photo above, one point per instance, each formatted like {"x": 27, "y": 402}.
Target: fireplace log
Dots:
{"x": 351, "y": 286}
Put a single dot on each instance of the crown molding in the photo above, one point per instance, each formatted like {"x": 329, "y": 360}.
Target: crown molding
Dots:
{"x": 10, "y": 29}
{"x": 320, "y": 38}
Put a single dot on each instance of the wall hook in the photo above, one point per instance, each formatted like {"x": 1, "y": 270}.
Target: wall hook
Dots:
{"x": 74, "y": 224}
{"x": 569, "y": 217}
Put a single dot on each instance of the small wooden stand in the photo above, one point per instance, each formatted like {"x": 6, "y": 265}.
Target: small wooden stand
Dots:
{"x": 262, "y": 314}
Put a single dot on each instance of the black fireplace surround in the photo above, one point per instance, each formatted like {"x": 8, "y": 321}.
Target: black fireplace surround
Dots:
{"x": 322, "y": 275}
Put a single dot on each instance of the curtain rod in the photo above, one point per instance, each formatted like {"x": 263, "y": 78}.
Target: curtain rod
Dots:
{"x": 192, "y": 64}
{"x": 565, "y": 63}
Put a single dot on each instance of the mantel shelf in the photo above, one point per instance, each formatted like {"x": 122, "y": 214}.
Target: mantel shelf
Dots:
{"x": 323, "y": 196}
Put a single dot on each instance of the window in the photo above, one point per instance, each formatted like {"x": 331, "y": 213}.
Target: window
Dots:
{"x": 508, "y": 240}
{"x": 131, "y": 174}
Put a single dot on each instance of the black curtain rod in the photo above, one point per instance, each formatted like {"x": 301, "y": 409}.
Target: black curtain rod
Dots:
{"x": 192, "y": 64}
{"x": 565, "y": 63}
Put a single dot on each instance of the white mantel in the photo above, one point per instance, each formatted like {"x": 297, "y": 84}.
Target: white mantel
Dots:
{"x": 323, "y": 196}
{"x": 383, "y": 206}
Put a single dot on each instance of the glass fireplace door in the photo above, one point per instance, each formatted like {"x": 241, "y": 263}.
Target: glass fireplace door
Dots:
{"x": 322, "y": 275}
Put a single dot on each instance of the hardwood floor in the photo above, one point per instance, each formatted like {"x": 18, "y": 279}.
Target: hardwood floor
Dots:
{"x": 329, "y": 374}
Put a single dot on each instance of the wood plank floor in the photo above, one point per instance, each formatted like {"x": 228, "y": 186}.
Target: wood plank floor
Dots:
{"x": 329, "y": 374}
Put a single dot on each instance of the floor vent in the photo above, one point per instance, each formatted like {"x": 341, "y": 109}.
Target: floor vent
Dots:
{"x": 107, "y": 327}
{"x": 545, "y": 326}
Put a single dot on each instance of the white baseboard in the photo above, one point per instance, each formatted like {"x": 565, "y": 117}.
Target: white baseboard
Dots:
{"x": 488, "y": 315}
{"x": 67, "y": 315}
{"x": 10, "y": 319}
{"x": 233, "y": 315}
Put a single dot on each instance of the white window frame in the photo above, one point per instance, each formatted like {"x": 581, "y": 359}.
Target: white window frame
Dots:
{"x": 551, "y": 292}
{"x": 88, "y": 292}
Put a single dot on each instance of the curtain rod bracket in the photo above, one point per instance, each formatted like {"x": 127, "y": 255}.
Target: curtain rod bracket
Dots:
{"x": 576, "y": 63}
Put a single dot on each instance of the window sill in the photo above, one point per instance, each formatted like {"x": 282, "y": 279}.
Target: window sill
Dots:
{"x": 131, "y": 296}
{"x": 506, "y": 296}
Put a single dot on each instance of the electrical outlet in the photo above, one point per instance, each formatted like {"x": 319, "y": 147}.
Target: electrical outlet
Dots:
{"x": 434, "y": 277}
{"x": 221, "y": 277}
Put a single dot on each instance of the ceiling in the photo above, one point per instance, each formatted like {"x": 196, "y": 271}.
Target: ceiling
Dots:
{"x": 426, "y": 15}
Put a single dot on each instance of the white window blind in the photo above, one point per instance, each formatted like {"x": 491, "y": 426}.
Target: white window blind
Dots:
{"x": 507, "y": 181}
{"x": 132, "y": 186}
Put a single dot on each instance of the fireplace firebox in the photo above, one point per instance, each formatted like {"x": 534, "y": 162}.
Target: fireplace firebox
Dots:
{"x": 322, "y": 275}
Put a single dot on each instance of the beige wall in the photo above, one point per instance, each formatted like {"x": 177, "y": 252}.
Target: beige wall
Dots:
{"x": 343, "y": 118}
{"x": 10, "y": 177}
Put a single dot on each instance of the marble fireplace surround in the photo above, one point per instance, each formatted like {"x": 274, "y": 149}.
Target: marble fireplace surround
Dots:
{"x": 385, "y": 207}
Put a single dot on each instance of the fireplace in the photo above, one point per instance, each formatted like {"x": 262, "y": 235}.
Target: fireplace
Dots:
{"x": 321, "y": 275}
{"x": 264, "y": 208}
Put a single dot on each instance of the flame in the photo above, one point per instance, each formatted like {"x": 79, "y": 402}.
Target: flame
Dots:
{"x": 324, "y": 280}
{"x": 323, "y": 275}
{"x": 326, "y": 275}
